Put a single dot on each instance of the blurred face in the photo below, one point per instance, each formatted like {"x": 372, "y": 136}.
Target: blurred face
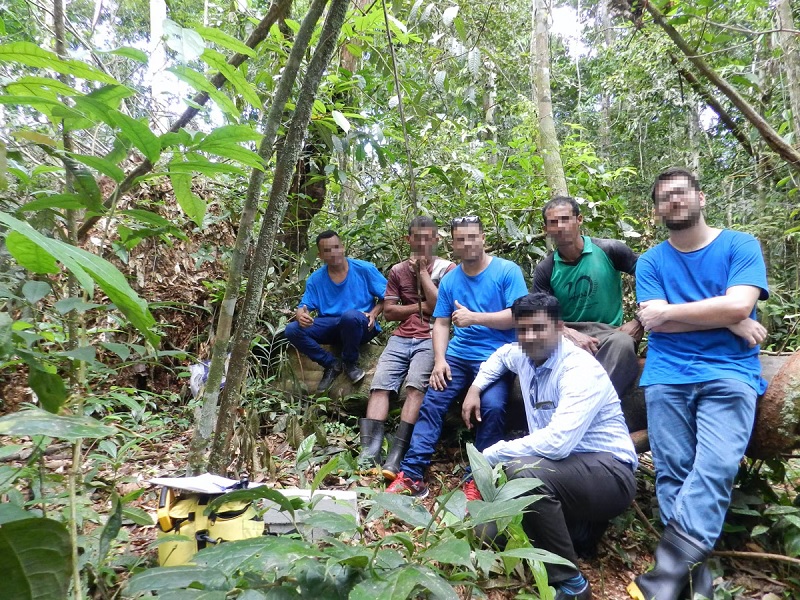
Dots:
{"x": 677, "y": 204}
{"x": 331, "y": 251}
{"x": 563, "y": 227}
{"x": 538, "y": 335}
{"x": 423, "y": 241}
{"x": 468, "y": 242}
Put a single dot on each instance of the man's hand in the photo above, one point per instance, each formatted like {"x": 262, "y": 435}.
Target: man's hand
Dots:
{"x": 440, "y": 376}
{"x": 370, "y": 319}
{"x": 750, "y": 330}
{"x": 462, "y": 316}
{"x": 471, "y": 406}
{"x": 634, "y": 329}
{"x": 418, "y": 265}
{"x": 583, "y": 341}
{"x": 653, "y": 313}
{"x": 304, "y": 317}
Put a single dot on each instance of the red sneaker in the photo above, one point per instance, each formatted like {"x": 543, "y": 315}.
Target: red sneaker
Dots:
{"x": 471, "y": 490}
{"x": 404, "y": 485}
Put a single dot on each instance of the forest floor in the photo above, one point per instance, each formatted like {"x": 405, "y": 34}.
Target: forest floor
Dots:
{"x": 624, "y": 551}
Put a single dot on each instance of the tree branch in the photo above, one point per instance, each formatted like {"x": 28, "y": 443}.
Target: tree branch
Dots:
{"x": 769, "y": 135}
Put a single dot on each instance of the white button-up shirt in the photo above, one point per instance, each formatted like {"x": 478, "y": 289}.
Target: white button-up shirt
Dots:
{"x": 570, "y": 404}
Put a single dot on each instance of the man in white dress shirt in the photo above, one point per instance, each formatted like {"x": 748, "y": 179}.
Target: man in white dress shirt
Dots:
{"x": 577, "y": 442}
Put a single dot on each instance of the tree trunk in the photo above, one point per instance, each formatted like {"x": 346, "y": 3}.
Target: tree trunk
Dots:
{"x": 157, "y": 63}
{"x": 765, "y": 130}
{"x": 604, "y": 133}
{"x": 287, "y": 159}
{"x": 790, "y": 61}
{"x": 208, "y": 414}
{"x": 548, "y": 140}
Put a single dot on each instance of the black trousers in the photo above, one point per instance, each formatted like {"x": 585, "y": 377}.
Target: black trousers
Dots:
{"x": 581, "y": 494}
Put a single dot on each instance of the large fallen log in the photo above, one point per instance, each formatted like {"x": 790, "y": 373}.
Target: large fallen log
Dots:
{"x": 776, "y": 431}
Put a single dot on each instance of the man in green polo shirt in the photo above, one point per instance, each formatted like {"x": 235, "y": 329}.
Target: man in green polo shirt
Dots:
{"x": 585, "y": 275}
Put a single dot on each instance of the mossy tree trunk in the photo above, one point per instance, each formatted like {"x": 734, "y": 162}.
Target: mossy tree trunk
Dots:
{"x": 284, "y": 170}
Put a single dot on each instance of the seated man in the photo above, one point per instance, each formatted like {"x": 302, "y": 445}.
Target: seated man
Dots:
{"x": 410, "y": 298}
{"x": 584, "y": 274}
{"x": 347, "y": 294}
{"x": 577, "y": 445}
{"x": 476, "y": 296}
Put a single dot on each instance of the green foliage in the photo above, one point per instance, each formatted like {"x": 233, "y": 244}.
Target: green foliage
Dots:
{"x": 443, "y": 552}
{"x": 36, "y": 559}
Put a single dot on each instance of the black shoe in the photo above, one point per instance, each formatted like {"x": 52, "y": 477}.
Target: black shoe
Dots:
{"x": 586, "y": 594}
{"x": 679, "y": 559}
{"x": 328, "y": 376}
{"x": 397, "y": 450}
{"x": 354, "y": 373}
{"x": 371, "y": 433}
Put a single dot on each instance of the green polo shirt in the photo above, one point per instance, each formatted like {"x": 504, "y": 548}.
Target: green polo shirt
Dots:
{"x": 589, "y": 289}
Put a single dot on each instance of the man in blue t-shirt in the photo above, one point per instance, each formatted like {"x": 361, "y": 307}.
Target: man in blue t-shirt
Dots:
{"x": 697, "y": 294}
{"x": 476, "y": 297}
{"x": 347, "y": 295}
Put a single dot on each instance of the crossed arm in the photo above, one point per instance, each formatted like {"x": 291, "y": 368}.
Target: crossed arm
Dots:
{"x": 731, "y": 311}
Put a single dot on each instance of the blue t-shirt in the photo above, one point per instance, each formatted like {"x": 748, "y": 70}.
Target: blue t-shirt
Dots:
{"x": 492, "y": 290}
{"x": 664, "y": 273}
{"x": 359, "y": 290}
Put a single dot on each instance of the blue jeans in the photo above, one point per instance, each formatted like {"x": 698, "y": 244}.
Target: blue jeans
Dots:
{"x": 435, "y": 405}
{"x": 698, "y": 434}
{"x": 348, "y": 331}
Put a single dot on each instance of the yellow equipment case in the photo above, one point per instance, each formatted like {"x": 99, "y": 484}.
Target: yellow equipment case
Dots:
{"x": 184, "y": 528}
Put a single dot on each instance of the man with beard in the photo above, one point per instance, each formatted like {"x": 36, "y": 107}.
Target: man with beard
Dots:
{"x": 697, "y": 294}
{"x": 584, "y": 273}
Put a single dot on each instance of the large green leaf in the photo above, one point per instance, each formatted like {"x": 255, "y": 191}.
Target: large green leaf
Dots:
{"x": 106, "y": 167}
{"x": 533, "y": 554}
{"x": 451, "y": 550}
{"x": 201, "y": 84}
{"x": 49, "y": 388}
{"x": 35, "y": 421}
{"x": 186, "y": 42}
{"x": 405, "y": 507}
{"x": 266, "y": 553}
{"x": 110, "y": 530}
{"x": 32, "y": 55}
{"x": 235, "y": 77}
{"x": 88, "y": 269}
{"x": 30, "y": 255}
{"x": 35, "y": 559}
{"x": 483, "y": 512}
{"x": 68, "y": 201}
{"x": 139, "y": 135}
{"x": 482, "y": 473}
{"x": 192, "y": 205}
{"x": 230, "y": 134}
{"x": 235, "y": 152}
{"x": 40, "y": 86}
{"x": 171, "y": 578}
{"x": 226, "y": 41}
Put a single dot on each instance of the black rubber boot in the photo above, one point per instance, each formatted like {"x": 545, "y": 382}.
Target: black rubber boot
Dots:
{"x": 371, "y": 431}
{"x": 678, "y": 555}
{"x": 701, "y": 584}
{"x": 402, "y": 439}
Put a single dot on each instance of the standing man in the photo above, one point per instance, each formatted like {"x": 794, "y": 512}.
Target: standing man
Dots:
{"x": 476, "y": 297}
{"x": 697, "y": 295}
{"x": 347, "y": 294}
{"x": 410, "y": 298}
{"x": 585, "y": 275}
{"x": 577, "y": 444}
